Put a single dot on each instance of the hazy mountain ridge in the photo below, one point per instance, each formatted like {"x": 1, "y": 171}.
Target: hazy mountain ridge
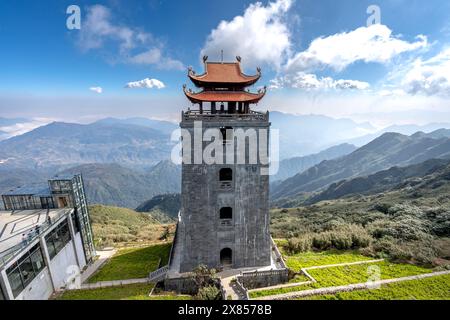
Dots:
{"x": 302, "y": 135}
{"x": 292, "y": 166}
{"x": 391, "y": 149}
{"x": 113, "y": 184}
{"x": 67, "y": 144}
{"x": 169, "y": 204}
{"x": 381, "y": 181}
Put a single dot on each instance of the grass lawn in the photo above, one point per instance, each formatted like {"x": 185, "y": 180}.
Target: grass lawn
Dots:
{"x": 133, "y": 263}
{"x": 129, "y": 292}
{"x": 435, "y": 288}
{"x": 310, "y": 259}
{"x": 337, "y": 276}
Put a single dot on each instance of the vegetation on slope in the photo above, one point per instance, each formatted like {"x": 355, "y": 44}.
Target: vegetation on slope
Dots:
{"x": 168, "y": 204}
{"x": 410, "y": 223}
{"x": 113, "y": 225}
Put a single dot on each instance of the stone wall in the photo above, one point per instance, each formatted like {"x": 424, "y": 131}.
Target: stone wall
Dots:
{"x": 180, "y": 285}
{"x": 205, "y": 235}
{"x": 261, "y": 279}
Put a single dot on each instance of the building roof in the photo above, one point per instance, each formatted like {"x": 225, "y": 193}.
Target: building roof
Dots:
{"x": 224, "y": 96}
{"x": 15, "y": 225}
{"x": 223, "y": 74}
{"x": 37, "y": 189}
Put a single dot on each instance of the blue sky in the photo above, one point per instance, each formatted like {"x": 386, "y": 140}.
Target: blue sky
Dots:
{"x": 317, "y": 57}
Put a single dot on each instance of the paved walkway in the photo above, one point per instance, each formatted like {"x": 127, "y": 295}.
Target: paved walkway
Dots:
{"x": 351, "y": 287}
{"x": 116, "y": 283}
{"x": 229, "y": 290}
{"x": 103, "y": 257}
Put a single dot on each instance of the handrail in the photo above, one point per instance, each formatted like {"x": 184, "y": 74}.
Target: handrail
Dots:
{"x": 159, "y": 273}
{"x": 278, "y": 254}
{"x": 8, "y": 254}
{"x": 242, "y": 289}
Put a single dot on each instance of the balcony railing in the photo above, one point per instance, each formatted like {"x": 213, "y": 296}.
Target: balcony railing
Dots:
{"x": 192, "y": 115}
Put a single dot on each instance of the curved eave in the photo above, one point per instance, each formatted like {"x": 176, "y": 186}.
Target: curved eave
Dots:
{"x": 227, "y": 96}
{"x": 202, "y": 81}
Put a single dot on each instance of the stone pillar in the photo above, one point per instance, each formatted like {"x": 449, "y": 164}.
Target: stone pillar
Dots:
{"x": 72, "y": 236}
{"x": 4, "y": 283}
{"x": 47, "y": 260}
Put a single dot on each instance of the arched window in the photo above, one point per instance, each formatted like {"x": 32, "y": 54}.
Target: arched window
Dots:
{"x": 226, "y": 174}
{"x": 226, "y": 213}
{"x": 226, "y": 257}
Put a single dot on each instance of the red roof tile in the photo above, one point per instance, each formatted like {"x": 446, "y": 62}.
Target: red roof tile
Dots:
{"x": 218, "y": 73}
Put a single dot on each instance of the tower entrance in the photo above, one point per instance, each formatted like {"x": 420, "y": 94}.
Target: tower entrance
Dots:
{"x": 226, "y": 258}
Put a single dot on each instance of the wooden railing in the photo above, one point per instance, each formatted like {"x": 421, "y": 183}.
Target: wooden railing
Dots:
{"x": 208, "y": 115}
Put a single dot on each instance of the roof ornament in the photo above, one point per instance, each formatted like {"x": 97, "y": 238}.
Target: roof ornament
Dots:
{"x": 238, "y": 58}
{"x": 191, "y": 70}
{"x": 258, "y": 69}
{"x": 205, "y": 58}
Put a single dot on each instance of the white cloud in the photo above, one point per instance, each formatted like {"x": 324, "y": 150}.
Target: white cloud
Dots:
{"x": 22, "y": 127}
{"x": 429, "y": 77}
{"x": 134, "y": 45}
{"x": 154, "y": 56}
{"x": 369, "y": 44}
{"x": 146, "y": 83}
{"x": 96, "y": 89}
{"x": 308, "y": 81}
{"x": 259, "y": 36}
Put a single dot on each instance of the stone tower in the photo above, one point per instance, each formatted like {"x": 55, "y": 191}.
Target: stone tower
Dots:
{"x": 224, "y": 219}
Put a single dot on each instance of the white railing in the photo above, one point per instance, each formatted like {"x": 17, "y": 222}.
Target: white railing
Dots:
{"x": 159, "y": 274}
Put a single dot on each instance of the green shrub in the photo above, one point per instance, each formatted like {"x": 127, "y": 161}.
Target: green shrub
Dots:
{"x": 209, "y": 293}
{"x": 300, "y": 244}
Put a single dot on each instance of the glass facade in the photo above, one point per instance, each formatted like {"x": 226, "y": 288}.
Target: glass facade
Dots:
{"x": 22, "y": 202}
{"x": 83, "y": 218}
{"x": 57, "y": 239}
{"x": 24, "y": 270}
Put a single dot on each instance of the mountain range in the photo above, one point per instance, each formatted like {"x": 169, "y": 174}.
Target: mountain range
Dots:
{"x": 292, "y": 166}
{"x": 61, "y": 145}
{"x": 381, "y": 181}
{"x": 391, "y": 149}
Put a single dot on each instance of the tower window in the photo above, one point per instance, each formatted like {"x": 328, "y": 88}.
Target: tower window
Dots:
{"x": 226, "y": 213}
{"x": 223, "y": 131}
{"x": 226, "y": 174}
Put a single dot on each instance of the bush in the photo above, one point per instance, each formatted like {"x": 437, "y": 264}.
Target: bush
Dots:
{"x": 300, "y": 244}
{"x": 209, "y": 293}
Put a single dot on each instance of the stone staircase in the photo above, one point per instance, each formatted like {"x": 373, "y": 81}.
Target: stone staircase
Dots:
{"x": 231, "y": 288}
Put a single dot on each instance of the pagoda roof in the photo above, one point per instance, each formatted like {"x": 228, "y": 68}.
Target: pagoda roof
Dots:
{"x": 224, "y": 96}
{"x": 220, "y": 74}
